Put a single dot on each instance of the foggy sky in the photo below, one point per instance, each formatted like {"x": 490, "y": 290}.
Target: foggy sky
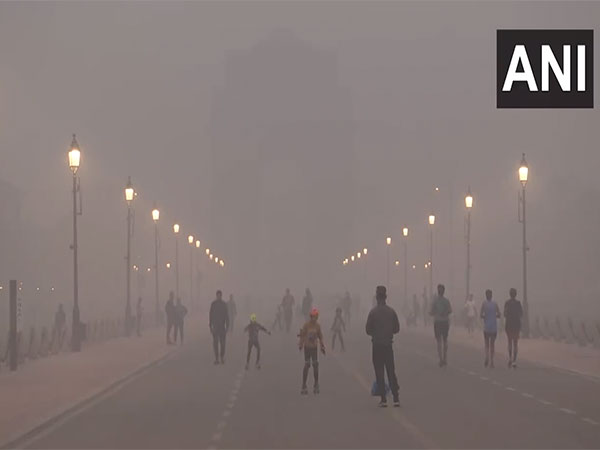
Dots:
{"x": 142, "y": 85}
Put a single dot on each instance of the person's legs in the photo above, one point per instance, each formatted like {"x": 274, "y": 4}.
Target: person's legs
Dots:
{"x": 486, "y": 343}
{"x": 222, "y": 339}
{"x": 181, "y": 330}
{"x": 446, "y": 330}
{"x": 437, "y": 332}
{"x": 391, "y": 371}
{"x": 379, "y": 367}
{"x": 315, "y": 364}
{"x": 138, "y": 327}
{"x": 342, "y": 341}
{"x": 216, "y": 346}
{"x": 169, "y": 328}
{"x": 249, "y": 352}
{"x": 492, "y": 345}
{"x": 257, "y": 345}
{"x": 306, "y": 367}
{"x": 515, "y": 349}
{"x": 176, "y": 326}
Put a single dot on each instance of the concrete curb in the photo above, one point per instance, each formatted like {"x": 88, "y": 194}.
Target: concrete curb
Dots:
{"x": 22, "y": 437}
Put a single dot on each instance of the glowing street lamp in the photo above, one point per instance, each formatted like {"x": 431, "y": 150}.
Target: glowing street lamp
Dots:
{"x": 469, "y": 206}
{"x": 388, "y": 241}
{"x": 523, "y": 178}
{"x": 431, "y": 224}
{"x": 74, "y": 163}
{"x": 129, "y": 196}
{"x": 405, "y": 245}
{"x": 191, "y": 242}
{"x": 155, "y": 218}
{"x": 176, "y": 232}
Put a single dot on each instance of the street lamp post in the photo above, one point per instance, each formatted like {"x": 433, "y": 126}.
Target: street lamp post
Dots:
{"x": 155, "y": 217}
{"x": 74, "y": 161}
{"x": 176, "y": 231}
{"x": 365, "y": 282}
{"x": 388, "y": 242}
{"x": 405, "y": 235}
{"x": 129, "y": 196}
{"x": 523, "y": 177}
{"x": 431, "y": 224}
{"x": 191, "y": 242}
{"x": 198, "y": 244}
{"x": 468, "y": 205}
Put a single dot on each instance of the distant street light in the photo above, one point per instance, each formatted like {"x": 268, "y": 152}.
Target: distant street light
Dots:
{"x": 191, "y": 242}
{"x": 155, "y": 217}
{"x": 431, "y": 224}
{"x": 405, "y": 235}
{"x": 74, "y": 162}
{"x": 523, "y": 178}
{"x": 468, "y": 205}
{"x": 176, "y": 232}
{"x": 388, "y": 241}
{"x": 129, "y": 196}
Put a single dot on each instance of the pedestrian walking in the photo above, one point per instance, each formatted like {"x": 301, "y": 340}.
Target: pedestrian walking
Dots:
{"x": 232, "y": 311}
{"x": 440, "y": 311}
{"x": 513, "y": 312}
{"x": 253, "y": 328}
{"x": 287, "y": 305}
{"x": 219, "y": 324}
{"x": 60, "y": 325}
{"x": 382, "y": 325}
{"x": 170, "y": 313}
{"x": 490, "y": 313}
{"x": 180, "y": 313}
{"x": 311, "y": 338}
{"x": 470, "y": 312}
{"x": 337, "y": 327}
{"x": 307, "y": 302}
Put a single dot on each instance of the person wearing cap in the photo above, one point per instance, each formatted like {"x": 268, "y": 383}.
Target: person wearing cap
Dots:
{"x": 311, "y": 338}
{"x": 382, "y": 325}
{"x": 253, "y": 328}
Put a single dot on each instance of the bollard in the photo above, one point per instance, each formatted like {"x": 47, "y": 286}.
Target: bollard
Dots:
{"x": 12, "y": 341}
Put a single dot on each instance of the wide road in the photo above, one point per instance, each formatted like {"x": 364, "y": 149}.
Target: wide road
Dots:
{"x": 187, "y": 402}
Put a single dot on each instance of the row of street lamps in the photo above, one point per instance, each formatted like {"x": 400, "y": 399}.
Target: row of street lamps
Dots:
{"x": 523, "y": 174}
{"x": 74, "y": 160}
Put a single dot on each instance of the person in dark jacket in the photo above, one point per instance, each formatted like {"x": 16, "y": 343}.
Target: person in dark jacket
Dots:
{"x": 219, "y": 324}
{"x": 180, "y": 313}
{"x": 170, "y": 312}
{"x": 382, "y": 325}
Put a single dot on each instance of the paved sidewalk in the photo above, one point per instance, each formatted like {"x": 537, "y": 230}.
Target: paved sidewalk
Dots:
{"x": 571, "y": 357}
{"x": 45, "y": 388}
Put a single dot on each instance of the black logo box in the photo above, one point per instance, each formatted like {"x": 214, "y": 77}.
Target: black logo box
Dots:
{"x": 555, "y": 97}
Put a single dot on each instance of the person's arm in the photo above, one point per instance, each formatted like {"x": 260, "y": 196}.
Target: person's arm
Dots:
{"x": 520, "y": 310}
{"x": 211, "y": 318}
{"x": 505, "y": 305}
{"x": 320, "y": 336}
{"x": 246, "y": 328}
{"x": 302, "y": 336}
{"x": 369, "y": 325}
{"x": 449, "y": 307}
{"x": 482, "y": 312}
{"x": 498, "y": 315}
{"x": 396, "y": 323}
{"x": 226, "y": 319}
{"x": 260, "y": 327}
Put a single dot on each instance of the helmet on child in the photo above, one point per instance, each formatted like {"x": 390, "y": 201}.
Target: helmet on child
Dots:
{"x": 314, "y": 312}
{"x": 252, "y": 317}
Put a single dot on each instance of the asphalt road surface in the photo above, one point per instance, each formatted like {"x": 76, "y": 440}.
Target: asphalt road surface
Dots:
{"x": 187, "y": 402}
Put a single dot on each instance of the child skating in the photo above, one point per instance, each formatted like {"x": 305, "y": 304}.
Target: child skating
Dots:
{"x": 253, "y": 328}
{"x": 338, "y": 326}
{"x": 311, "y": 338}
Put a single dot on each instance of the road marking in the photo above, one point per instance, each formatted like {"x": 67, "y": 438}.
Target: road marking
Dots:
{"x": 545, "y": 402}
{"x": 568, "y": 411}
{"x": 226, "y": 413}
{"x": 471, "y": 373}
{"x": 416, "y": 433}
{"x": 484, "y": 378}
{"x": 217, "y": 437}
{"x": 526, "y": 395}
{"x": 496, "y": 383}
{"x": 508, "y": 388}
{"x": 590, "y": 421}
{"x": 232, "y": 398}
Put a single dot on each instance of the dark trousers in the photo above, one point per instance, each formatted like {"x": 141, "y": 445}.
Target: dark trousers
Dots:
{"x": 179, "y": 330}
{"x": 288, "y": 322}
{"x": 219, "y": 344}
{"x": 250, "y": 345}
{"x": 170, "y": 326}
{"x": 383, "y": 361}
{"x": 311, "y": 356}
{"x": 337, "y": 333}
